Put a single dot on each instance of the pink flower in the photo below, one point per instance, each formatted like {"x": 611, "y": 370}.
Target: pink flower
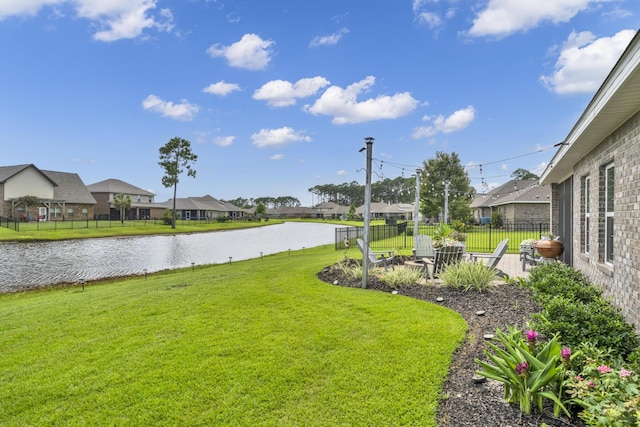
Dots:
{"x": 591, "y": 384}
{"x": 531, "y": 335}
{"x": 579, "y": 378}
{"x": 566, "y": 353}
{"x": 522, "y": 369}
{"x": 624, "y": 373}
{"x": 604, "y": 369}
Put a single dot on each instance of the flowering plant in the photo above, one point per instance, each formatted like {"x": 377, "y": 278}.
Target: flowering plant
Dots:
{"x": 608, "y": 394}
{"x": 530, "y": 371}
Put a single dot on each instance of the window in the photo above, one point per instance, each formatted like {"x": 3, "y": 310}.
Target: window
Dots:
{"x": 85, "y": 213}
{"x": 608, "y": 212}
{"x": 55, "y": 212}
{"x": 586, "y": 189}
{"x": 69, "y": 212}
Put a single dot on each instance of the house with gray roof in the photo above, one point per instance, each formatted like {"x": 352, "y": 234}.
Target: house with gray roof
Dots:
{"x": 517, "y": 202}
{"x": 595, "y": 186}
{"x": 200, "y": 208}
{"x": 142, "y": 201}
{"x": 61, "y": 195}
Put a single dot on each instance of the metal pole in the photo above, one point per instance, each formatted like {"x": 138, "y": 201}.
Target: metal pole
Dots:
{"x": 446, "y": 202}
{"x": 416, "y": 209}
{"x": 367, "y": 209}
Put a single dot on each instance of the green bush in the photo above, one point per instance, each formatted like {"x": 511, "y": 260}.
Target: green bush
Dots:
{"x": 469, "y": 276}
{"x": 222, "y": 218}
{"x": 598, "y": 322}
{"x": 167, "y": 216}
{"x": 551, "y": 279}
{"x": 496, "y": 220}
{"x": 607, "y": 391}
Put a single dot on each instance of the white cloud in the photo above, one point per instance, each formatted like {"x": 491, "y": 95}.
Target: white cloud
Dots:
{"x": 278, "y": 137}
{"x": 224, "y": 141}
{"x": 504, "y": 17}
{"x": 342, "y": 172}
{"x": 221, "y": 88}
{"x": 184, "y": 111}
{"x": 585, "y": 61}
{"x": 433, "y": 13}
{"x": 251, "y": 52}
{"x": 116, "y": 19}
{"x": 277, "y": 157}
{"x": 432, "y": 19}
{"x": 343, "y": 104}
{"x": 504, "y": 167}
{"x": 455, "y": 122}
{"x": 281, "y": 93}
{"x": 329, "y": 40}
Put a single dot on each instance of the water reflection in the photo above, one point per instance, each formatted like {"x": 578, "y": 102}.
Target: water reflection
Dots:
{"x": 44, "y": 263}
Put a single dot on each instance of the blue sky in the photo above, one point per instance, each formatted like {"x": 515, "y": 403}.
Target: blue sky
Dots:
{"x": 277, "y": 96}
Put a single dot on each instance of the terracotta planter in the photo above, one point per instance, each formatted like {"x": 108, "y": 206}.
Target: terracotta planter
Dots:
{"x": 549, "y": 248}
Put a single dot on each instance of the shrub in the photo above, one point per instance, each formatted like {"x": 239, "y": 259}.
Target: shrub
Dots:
{"x": 167, "y": 216}
{"x": 551, "y": 279}
{"x": 469, "y": 276}
{"x": 607, "y": 393}
{"x": 400, "y": 276}
{"x": 496, "y": 219}
{"x": 598, "y": 322}
{"x": 222, "y": 218}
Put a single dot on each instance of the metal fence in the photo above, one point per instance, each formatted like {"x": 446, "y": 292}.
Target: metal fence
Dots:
{"x": 479, "y": 238}
{"x": 102, "y": 223}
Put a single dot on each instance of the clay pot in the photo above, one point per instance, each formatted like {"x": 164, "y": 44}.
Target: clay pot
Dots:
{"x": 549, "y": 248}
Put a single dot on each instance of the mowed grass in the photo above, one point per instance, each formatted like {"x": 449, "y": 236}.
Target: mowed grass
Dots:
{"x": 254, "y": 343}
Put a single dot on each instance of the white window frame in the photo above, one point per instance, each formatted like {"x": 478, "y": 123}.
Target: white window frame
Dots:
{"x": 609, "y": 187}
{"x": 587, "y": 213}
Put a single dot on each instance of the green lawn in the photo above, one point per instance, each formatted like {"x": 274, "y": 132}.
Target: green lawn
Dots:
{"x": 254, "y": 343}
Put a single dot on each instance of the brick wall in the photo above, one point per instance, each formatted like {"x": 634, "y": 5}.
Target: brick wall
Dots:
{"x": 620, "y": 279}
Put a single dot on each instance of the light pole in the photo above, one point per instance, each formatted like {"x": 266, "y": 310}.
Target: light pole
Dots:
{"x": 446, "y": 202}
{"x": 416, "y": 209}
{"x": 367, "y": 207}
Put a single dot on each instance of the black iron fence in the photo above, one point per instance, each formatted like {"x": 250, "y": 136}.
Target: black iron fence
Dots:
{"x": 103, "y": 223}
{"x": 477, "y": 238}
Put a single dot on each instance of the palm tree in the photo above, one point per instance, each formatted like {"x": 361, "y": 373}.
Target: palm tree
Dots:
{"x": 122, "y": 202}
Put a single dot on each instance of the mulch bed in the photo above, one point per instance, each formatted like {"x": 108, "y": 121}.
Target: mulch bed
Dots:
{"x": 466, "y": 403}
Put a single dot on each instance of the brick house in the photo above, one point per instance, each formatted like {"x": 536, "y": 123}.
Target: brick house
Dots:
{"x": 105, "y": 191}
{"x": 595, "y": 186}
{"x": 517, "y": 202}
{"x": 62, "y": 195}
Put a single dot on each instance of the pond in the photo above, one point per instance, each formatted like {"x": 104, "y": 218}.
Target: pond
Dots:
{"x": 29, "y": 265}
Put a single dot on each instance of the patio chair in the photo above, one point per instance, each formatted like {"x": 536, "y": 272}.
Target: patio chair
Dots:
{"x": 424, "y": 247}
{"x": 493, "y": 259}
{"x": 377, "y": 258}
{"x": 443, "y": 256}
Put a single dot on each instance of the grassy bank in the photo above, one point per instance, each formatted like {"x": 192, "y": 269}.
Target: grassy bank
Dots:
{"x": 258, "y": 342}
{"x": 83, "y": 229}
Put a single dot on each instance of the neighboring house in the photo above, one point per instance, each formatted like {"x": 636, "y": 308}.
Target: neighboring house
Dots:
{"x": 517, "y": 202}
{"x": 595, "y": 186}
{"x": 379, "y": 210}
{"x": 293, "y": 212}
{"x": 105, "y": 191}
{"x": 62, "y": 195}
{"x": 205, "y": 207}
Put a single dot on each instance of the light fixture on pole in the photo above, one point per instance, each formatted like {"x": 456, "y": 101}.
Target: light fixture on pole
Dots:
{"x": 367, "y": 207}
